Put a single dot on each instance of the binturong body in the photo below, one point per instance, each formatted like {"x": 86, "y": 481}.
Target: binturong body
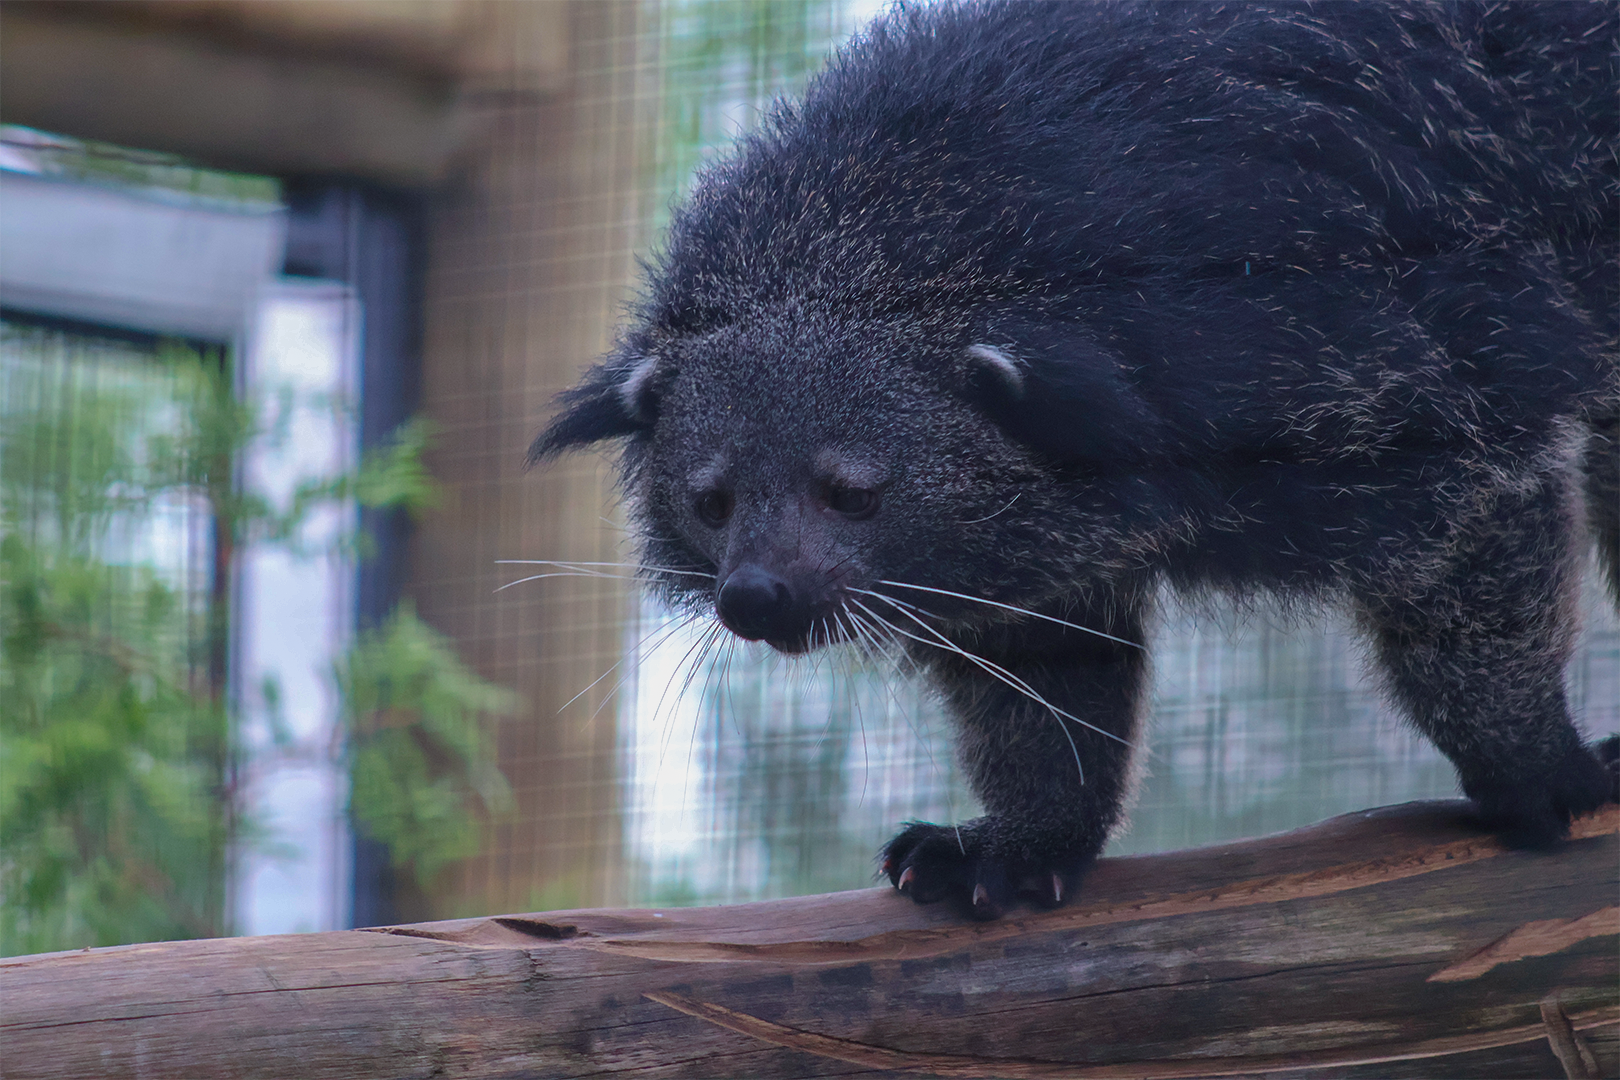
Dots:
{"x": 1027, "y": 311}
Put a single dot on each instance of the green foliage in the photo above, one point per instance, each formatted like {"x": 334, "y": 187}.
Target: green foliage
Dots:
{"x": 395, "y": 475}
{"x": 107, "y": 787}
{"x": 113, "y": 734}
{"x": 420, "y": 751}
{"x": 118, "y": 506}
{"x": 392, "y": 476}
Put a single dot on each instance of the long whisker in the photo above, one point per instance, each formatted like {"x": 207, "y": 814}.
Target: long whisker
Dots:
{"x": 913, "y": 611}
{"x": 998, "y": 513}
{"x": 913, "y": 721}
{"x": 725, "y": 681}
{"x": 876, "y": 643}
{"x": 616, "y": 565}
{"x": 1010, "y": 679}
{"x": 565, "y": 573}
{"x": 1012, "y": 608}
{"x": 813, "y": 678}
{"x": 667, "y": 629}
{"x": 852, "y": 632}
{"x": 854, "y": 697}
{"x": 1016, "y": 682}
{"x": 710, "y": 641}
{"x": 897, "y": 602}
{"x": 686, "y": 658}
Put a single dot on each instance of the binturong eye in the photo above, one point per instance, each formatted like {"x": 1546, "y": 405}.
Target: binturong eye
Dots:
{"x": 714, "y": 508}
{"x": 853, "y": 503}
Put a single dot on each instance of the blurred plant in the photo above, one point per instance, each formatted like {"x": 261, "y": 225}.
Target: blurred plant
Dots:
{"x": 120, "y": 512}
{"x": 419, "y": 751}
{"x": 111, "y": 797}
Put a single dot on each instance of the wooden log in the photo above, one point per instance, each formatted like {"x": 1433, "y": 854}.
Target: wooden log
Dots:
{"x": 1392, "y": 943}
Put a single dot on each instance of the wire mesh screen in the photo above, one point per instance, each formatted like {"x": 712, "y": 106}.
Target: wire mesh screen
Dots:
{"x": 113, "y": 732}
{"x": 658, "y": 762}
{"x": 529, "y": 256}
{"x": 748, "y": 775}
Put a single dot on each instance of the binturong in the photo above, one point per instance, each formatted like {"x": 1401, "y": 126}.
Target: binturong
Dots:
{"x": 1028, "y": 312}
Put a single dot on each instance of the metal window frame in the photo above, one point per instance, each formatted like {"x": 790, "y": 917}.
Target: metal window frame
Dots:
{"x": 372, "y": 240}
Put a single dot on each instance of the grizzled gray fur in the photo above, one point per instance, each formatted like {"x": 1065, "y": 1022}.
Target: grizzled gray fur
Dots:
{"x": 1027, "y": 310}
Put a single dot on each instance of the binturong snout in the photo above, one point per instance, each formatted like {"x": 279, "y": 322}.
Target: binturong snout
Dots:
{"x": 759, "y": 605}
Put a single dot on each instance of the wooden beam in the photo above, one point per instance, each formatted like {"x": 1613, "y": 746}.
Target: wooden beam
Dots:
{"x": 1392, "y": 943}
{"x": 384, "y": 92}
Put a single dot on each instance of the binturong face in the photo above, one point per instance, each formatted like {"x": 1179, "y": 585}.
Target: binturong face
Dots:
{"x": 787, "y": 466}
{"x": 812, "y": 485}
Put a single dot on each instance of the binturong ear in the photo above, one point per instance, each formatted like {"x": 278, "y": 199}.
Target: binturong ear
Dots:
{"x": 617, "y": 397}
{"x": 1053, "y": 388}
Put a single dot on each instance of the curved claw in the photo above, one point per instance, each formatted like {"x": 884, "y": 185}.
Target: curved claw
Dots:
{"x": 929, "y": 863}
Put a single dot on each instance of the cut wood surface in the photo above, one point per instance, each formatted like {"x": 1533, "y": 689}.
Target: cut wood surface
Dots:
{"x": 1393, "y": 943}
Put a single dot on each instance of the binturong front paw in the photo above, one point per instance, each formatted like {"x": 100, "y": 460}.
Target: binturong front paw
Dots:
{"x": 1537, "y": 813}
{"x": 966, "y": 866}
{"x": 1608, "y": 755}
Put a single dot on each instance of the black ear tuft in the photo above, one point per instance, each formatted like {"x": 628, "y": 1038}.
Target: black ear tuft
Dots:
{"x": 1055, "y": 389}
{"x": 616, "y": 398}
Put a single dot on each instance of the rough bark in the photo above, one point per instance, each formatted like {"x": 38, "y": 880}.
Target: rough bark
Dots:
{"x": 1393, "y": 943}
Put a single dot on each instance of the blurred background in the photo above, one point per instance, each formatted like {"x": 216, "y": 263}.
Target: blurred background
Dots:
{"x": 287, "y": 288}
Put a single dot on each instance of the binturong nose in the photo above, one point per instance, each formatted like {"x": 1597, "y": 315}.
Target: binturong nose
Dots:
{"x": 754, "y": 603}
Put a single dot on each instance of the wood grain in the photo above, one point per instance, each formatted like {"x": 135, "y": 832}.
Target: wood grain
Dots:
{"x": 1557, "y": 1028}
{"x": 1311, "y": 953}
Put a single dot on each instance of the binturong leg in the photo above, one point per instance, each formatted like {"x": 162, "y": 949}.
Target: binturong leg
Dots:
{"x": 1474, "y": 646}
{"x": 1052, "y": 783}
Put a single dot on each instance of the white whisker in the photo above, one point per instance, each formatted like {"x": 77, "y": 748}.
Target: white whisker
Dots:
{"x": 667, "y": 629}
{"x": 1002, "y": 675}
{"x": 879, "y": 643}
{"x": 998, "y": 513}
{"x": 854, "y": 697}
{"x": 632, "y": 566}
{"x": 564, "y": 573}
{"x": 870, "y": 637}
{"x": 702, "y": 661}
{"x": 725, "y": 681}
{"x": 996, "y": 669}
{"x": 1009, "y": 607}
{"x": 686, "y": 658}
{"x": 876, "y": 643}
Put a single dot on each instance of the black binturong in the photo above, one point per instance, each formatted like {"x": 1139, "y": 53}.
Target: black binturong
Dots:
{"x": 1026, "y": 312}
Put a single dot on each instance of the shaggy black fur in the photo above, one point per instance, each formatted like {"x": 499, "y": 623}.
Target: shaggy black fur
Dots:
{"x": 1049, "y": 304}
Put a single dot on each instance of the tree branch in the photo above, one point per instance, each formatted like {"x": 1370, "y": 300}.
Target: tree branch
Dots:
{"x": 1397, "y": 942}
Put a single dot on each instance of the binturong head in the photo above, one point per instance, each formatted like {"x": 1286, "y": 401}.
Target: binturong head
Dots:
{"x": 794, "y": 472}
{"x": 855, "y": 364}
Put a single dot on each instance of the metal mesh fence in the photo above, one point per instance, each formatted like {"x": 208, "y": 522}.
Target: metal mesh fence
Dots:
{"x": 112, "y": 734}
